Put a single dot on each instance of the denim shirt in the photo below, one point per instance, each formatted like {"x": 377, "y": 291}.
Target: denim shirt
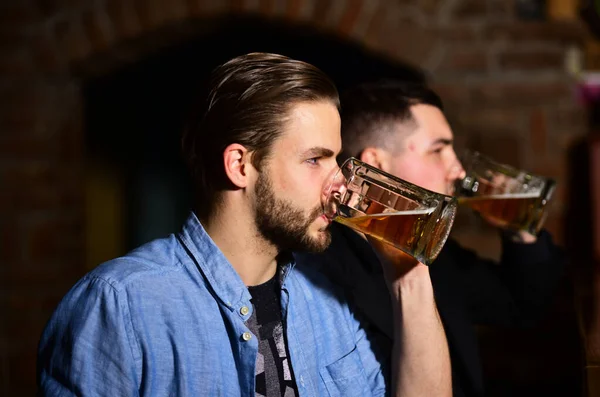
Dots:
{"x": 168, "y": 319}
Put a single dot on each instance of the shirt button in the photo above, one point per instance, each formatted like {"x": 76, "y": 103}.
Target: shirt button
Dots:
{"x": 246, "y": 336}
{"x": 244, "y": 310}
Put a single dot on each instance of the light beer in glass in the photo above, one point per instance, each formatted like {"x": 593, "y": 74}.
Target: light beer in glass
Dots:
{"x": 512, "y": 198}
{"x": 370, "y": 201}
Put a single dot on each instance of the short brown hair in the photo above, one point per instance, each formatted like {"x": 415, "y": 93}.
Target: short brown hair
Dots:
{"x": 249, "y": 99}
{"x": 371, "y": 112}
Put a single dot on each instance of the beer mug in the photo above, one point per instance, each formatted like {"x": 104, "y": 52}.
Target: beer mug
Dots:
{"x": 513, "y": 198}
{"x": 368, "y": 200}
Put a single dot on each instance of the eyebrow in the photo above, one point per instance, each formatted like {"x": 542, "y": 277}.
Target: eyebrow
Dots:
{"x": 442, "y": 141}
{"x": 318, "y": 152}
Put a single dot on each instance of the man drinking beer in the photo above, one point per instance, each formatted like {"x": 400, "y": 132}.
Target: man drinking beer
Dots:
{"x": 221, "y": 308}
{"x": 401, "y": 128}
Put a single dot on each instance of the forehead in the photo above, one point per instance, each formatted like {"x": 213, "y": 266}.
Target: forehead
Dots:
{"x": 431, "y": 123}
{"x": 311, "y": 124}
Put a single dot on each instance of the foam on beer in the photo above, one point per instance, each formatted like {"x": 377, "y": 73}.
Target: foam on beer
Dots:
{"x": 509, "y": 196}
{"x": 389, "y": 211}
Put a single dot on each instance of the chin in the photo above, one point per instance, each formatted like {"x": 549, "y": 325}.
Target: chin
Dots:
{"x": 322, "y": 223}
{"x": 320, "y": 240}
{"x": 318, "y": 235}
{"x": 451, "y": 190}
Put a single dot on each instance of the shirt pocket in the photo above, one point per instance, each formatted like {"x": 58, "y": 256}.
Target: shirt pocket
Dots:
{"x": 346, "y": 376}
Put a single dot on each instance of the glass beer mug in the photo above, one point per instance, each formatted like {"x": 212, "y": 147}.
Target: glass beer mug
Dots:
{"x": 373, "y": 202}
{"x": 513, "y": 198}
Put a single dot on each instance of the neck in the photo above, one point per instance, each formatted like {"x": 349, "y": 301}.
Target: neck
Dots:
{"x": 234, "y": 231}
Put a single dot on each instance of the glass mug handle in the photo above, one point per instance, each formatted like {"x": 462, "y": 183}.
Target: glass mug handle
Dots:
{"x": 334, "y": 190}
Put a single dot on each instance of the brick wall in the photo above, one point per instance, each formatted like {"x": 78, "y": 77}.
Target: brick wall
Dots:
{"x": 502, "y": 79}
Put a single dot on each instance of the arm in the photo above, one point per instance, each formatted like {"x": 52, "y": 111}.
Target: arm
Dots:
{"x": 512, "y": 292}
{"x": 85, "y": 348}
{"x": 421, "y": 360}
{"x": 531, "y": 269}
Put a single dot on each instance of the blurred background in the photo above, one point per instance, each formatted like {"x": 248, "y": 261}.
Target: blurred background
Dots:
{"x": 94, "y": 96}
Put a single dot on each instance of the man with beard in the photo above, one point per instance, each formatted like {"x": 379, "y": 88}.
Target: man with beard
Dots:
{"x": 400, "y": 128}
{"x": 220, "y": 309}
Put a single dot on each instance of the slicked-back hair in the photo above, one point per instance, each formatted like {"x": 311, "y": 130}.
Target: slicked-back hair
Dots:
{"x": 373, "y": 112}
{"x": 249, "y": 101}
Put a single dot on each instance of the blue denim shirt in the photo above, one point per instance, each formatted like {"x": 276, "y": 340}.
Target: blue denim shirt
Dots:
{"x": 167, "y": 319}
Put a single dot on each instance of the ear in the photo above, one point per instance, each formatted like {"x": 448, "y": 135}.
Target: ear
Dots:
{"x": 377, "y": 157}
{"x": 236, "y": 160}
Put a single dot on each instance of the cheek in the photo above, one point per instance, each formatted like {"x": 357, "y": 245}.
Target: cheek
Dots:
{"x": 300, "y": 187}
{"x": 421, "y": 173}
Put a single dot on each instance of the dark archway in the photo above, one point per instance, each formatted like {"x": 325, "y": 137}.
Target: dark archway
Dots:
{"x": 134, "y": 115}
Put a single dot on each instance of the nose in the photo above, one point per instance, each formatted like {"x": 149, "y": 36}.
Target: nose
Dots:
{"x": 456, "y": 171}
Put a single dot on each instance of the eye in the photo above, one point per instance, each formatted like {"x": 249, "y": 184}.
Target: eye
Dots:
{"x": 438, "y": 150}
{"x": 313, "y": 161}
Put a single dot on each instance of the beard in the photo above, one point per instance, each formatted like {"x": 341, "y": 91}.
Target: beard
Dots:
{"x": 284, "y": 225}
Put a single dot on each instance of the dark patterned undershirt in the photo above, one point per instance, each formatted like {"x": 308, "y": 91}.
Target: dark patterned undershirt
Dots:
{"x": 274, "y": 375}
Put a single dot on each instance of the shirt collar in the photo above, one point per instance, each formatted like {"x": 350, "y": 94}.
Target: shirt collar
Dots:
{"x": 212, "y": 263}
